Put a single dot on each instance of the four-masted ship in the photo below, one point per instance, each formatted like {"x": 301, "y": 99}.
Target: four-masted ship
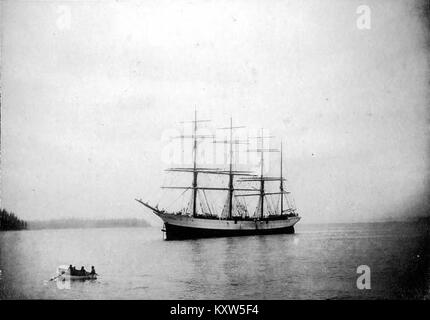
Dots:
{"x": 235, "y": 218}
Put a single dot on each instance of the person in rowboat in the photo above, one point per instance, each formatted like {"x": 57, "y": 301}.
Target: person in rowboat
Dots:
{"x": 83, "y": 272}
{"x": 93, "y": 271}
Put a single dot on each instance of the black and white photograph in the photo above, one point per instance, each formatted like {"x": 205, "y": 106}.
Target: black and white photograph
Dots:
{"x": 194, "y": 150}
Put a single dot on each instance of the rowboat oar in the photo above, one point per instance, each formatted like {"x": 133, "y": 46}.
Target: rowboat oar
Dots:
{"x": 55, "y": 277}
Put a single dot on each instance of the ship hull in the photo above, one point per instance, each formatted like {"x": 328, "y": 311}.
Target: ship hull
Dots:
{"x": 177, "y": 227}
{"x": 180, "y": 233}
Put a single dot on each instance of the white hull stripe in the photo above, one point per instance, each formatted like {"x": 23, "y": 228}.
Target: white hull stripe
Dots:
{"x": 218, "y": 224}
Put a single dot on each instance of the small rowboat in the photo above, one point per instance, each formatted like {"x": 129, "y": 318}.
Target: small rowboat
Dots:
{"x": 63, "y": 273}
{"x": 66, "y": 276}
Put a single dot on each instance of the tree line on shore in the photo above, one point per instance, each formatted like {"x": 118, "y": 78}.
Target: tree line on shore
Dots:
{"x": 9, "y": 221}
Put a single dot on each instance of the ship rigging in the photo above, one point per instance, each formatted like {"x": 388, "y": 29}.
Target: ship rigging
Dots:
{"x": 235, "y": 218}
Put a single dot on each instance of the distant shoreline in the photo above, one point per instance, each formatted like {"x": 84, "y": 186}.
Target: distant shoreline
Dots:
{"x": 78, "y": 223}
{"x": 75, "y": 223}
{"x": 394, "y": 220}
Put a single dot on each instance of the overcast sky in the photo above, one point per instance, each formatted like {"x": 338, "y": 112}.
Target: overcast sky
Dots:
{"x": 89, "y": 89}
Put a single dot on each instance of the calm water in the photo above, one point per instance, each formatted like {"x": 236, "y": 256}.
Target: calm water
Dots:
{"x": 318, "y": 262}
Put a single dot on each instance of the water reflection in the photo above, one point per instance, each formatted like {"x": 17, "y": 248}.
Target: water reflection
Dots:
{"x": 68, "y": 284}
{"x": 136, "y": 263}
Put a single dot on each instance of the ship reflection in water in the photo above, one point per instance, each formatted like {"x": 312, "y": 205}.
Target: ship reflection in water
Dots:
{"x": 317, "y": 262}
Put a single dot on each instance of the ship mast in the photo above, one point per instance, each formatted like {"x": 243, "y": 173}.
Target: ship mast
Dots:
{"x": 281, "y": 186}
{"x": 195, "y": 170}
{"x": 195, "y": 163}
{"x": 261, "y": 177}
{"x": 230, "y": 182}
{"x": 231, "y": 172}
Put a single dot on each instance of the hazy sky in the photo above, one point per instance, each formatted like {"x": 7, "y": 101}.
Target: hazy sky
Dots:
{"x": 89, "y": 89}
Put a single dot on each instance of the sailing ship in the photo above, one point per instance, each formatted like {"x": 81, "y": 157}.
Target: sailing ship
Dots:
{"x": 235, "y": 219}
